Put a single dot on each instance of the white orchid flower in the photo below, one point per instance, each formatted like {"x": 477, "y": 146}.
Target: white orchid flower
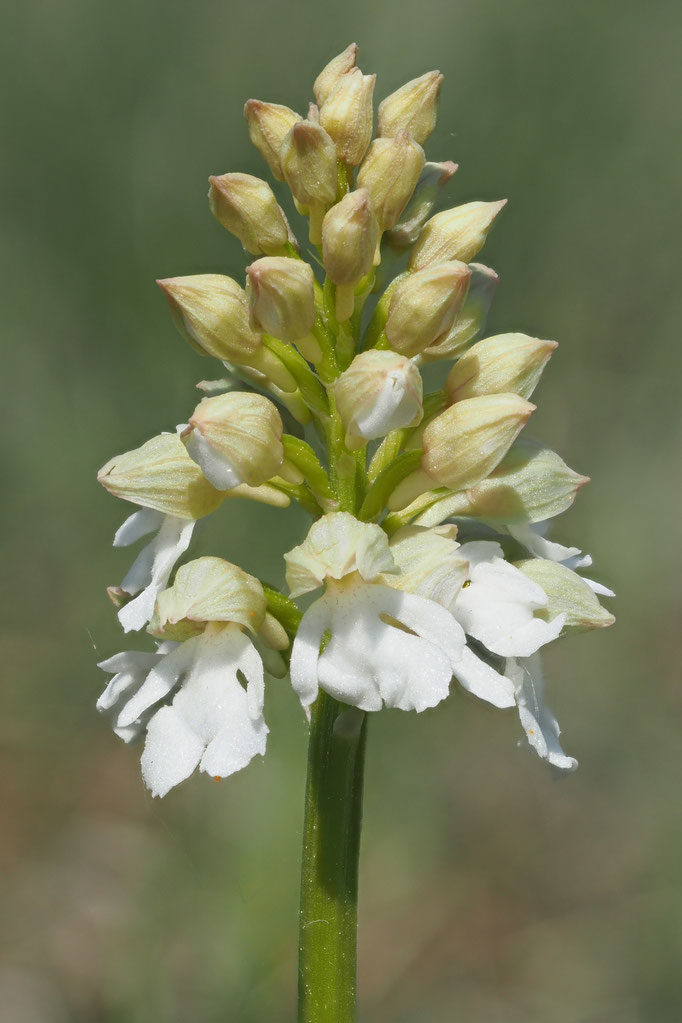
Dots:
{"x": 540, "y": 725}
{"x": 385, "y": 646}
{"x": 532, "y": 537}
{"x": 151, "y": 570}
{"x": 214, "y": 721}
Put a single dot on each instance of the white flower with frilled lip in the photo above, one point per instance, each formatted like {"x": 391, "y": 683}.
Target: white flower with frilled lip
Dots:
{"x": 215, "y": 718}
{"x": 151, "y": 570}
{"x": 363, "y": 642}
{"x": 540, "y": 725}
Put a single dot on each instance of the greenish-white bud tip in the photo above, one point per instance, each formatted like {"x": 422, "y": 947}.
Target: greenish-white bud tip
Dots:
{"x": 309, "y": 165}
{"x": 347, "y": 114}
{"x": 506, "y": 362}
{"x": 269, "y": 124}
{"x": 412, "y": 108}
{"x": 161, "y": 475}
{"x": 424, "y": 305}
{"x": 350, "y": 233}
{"x": 471, "y": 318}
{"x": 390, "y": 172}
{"x": 333, "y": 72}
{"x": 246, "y": 206}
{"x": 459, "y": 233}
{"x": 464, "y": 444}
{"x": 379, "y": 392}
{"x": 236, "y": 438}
{"x": 282, "y": 301}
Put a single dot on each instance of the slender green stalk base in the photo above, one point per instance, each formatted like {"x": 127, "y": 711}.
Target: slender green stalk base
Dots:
{"x": 329, "y": 874}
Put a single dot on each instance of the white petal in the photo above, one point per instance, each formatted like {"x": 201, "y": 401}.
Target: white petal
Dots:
{"x": 306, "y": 651}
{"x": 160, "y": 681}
{"x": 216, "y": 466}
{"x": 598, "y": 587}
{"x": 530, "y": 538}
{"x": 478, "y": 551}
{"x": 151, "y": 571}
{"x": 136, "y": 526}
{"x": 540, "y": 725}
{"x": 210, "y": 722}
{"x": 171, "y": 752}
{"x": 129, "y": 669}
{"x": 479, "y": 678}
{"x": 427, "y": 618}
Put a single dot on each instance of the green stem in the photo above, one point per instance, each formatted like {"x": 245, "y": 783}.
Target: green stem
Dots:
{"x": 329, "y": 872}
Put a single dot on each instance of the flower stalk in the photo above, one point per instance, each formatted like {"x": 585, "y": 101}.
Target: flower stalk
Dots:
{"x": 329, "y": 868}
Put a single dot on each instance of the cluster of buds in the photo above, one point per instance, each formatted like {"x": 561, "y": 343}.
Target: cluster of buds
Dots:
{"x": 429, "y": 510}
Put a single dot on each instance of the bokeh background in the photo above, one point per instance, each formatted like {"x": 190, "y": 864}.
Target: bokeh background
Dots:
{"x": 491, "y": 892}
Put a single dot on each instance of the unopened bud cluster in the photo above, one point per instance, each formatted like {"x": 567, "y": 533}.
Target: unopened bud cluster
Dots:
{"x": 324, "y": 407}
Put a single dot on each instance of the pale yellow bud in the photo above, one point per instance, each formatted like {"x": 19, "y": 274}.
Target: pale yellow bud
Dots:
{"x": 208, "y": 590}
{"x": 269, "y": 124}
{"x": 424, "y": 305}
{"x": 432, "y": 179}
{"x": 162, "y": 476}
{"x": 211, "y": 312}
{"x": 236, "y": 438}
{"x": 348, "y": 115}
{"x": 246, "y": 206}
{"x": 567, "y": 594}
{"x": 309, "y": 165}
{"x": 330, "y": 75}
{"x": 506, "y": 362}
{"x": 464, "y": 444}
{"x": 429, "y": 563}
{"x": 458, "y": 233}
{"x": 379, "y": 392}
{"x": 412, "y": 108}
{"x": 530, "y": 484}
{"x": 470, "y": 320}
{"x": 390, "y": 172}
{"x": 282, "y": 299}
{"x": 350, "y": 234}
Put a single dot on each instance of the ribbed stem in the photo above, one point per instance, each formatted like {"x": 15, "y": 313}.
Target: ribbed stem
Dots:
{"x": 329, "y": 872}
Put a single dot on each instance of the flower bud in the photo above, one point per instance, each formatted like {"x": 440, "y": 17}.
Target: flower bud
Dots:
{"x": 235, "y": 438}
{"x": 309, "y": 165}
{"x": 379, "y": 392}
{"x": 208, "y": 590}
{"x": 337, "y": 545}
{"x": 412, "y": 108}
{"x": 458, "y": 233}
{"x": 347, "y": 115}
{"x": 464, "y": 444}
{"x": 568, "y": 594}
{"x": 212, "y": 314}
{"x": 162, "y": 476}
{"x": 390, "y": 172}
{"x": 246, "y": 206}
{"x": 329, "y": 77}
{"x": 424, "y": 306}
{"x": 530, "y": 484}
{"x": 471, "y": 319}
{"x": 432, "y": 179}
{"x": 350, "y": 234}
{"x": 506, "y": 362}
{"x": 282, "y": 298}
{"x": 269, "y": 124}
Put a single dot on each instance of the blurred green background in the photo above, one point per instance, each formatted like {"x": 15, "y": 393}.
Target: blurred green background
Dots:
{"x": 490, "y": 892}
